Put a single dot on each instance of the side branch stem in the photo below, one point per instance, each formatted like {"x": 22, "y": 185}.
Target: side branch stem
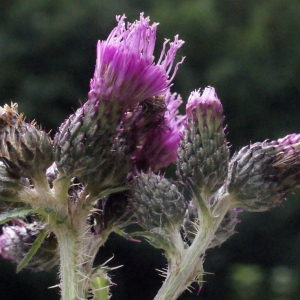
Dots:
{"x": 183, "y": 272}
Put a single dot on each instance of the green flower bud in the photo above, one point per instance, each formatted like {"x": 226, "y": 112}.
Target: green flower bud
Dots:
{"x": 157, "y": 202}
{"x": 85, "y": 139}
{"x": 25, "y": 149}
{"x": 262, "y": 174}
{"x": 203, "y": 153}
{"x": 92, "y": 144}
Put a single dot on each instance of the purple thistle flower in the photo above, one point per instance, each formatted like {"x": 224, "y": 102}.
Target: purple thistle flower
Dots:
{"x": 125, "y": 69}
{"x": 207, "y": 105}
{"x": 160, "y": 145}
{"x": 100, "y": 134}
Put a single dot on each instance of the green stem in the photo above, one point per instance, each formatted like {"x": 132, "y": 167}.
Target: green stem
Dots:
{"x": 101, "y": 288}
{"x": 77, "y": 253}
{"x": 67, "y": 247}
{"x": 61, "y": 186}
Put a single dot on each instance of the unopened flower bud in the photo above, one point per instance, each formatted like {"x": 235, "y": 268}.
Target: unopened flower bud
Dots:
{"x": 262, "y": 174}
{"x": 25, "y": 149}
{"x": 84, "y": 140}
{"x": 203, "y": 153}
{"x": 158, "y": 202}
{"x": 16, "y": 241}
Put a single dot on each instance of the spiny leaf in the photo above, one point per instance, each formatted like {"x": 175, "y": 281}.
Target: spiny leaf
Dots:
{"x": 21, "y": 212}
{"x": 35, "y": 246}
{"x": 125, "y": 235}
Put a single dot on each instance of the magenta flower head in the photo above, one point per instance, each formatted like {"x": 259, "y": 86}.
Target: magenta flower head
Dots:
{"x": 126, "y": 77}
{"x": 159, "y": 146}
{"x": 205, "y": 108}
{"x": 203, "y": 153}
{"x": 125, "y": 68}
{"x": 262, "y": 174}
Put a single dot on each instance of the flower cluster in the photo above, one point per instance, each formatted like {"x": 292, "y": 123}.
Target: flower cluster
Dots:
{"x": 129, "y": 106}
{"x": 103, "y": 171}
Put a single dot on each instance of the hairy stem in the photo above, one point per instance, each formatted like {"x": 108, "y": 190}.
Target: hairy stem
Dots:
{"x": 78, "y": 248}
{"x": 68, "y": 278}
{"x": 183, "y": 271}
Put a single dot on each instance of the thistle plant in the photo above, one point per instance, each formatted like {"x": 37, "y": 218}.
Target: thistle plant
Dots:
{"x": 62, "y": 197}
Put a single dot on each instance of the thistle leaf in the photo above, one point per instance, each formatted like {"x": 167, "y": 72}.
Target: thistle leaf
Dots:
{"x": 20, "y": 213}
{"x": 35, "y": 246}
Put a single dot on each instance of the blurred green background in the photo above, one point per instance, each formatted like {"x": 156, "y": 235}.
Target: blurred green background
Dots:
{"x": 247, "y": 50}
